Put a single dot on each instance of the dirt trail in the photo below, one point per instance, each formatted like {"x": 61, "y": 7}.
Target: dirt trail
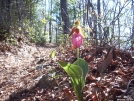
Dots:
{"x": 18, "y": 67}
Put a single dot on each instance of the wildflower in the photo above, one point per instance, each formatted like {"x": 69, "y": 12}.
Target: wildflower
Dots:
{"x": 77, "y": 36}
{"x": 77, "y": 40}
{"x": 76, "y": 28}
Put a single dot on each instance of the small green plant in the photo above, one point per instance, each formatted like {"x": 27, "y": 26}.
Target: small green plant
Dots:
{"x": 52, "y": 54}
{"x": 77, "y": 72}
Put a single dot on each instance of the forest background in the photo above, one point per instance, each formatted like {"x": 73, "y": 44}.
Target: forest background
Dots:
{"x": 34, "y": 38}
{"x": 42, "y": 21}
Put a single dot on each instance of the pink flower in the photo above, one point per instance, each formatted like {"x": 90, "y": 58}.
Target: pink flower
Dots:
{"x": 77, "y": 40}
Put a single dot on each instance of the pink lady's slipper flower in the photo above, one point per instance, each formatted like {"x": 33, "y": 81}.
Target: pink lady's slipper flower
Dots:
{"x": 77, "y": 36}
{"x": 77, "y": 40}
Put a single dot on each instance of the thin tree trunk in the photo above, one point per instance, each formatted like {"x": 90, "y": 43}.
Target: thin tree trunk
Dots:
{"x": 50, "y": 25}
{"x": 30, "y": 12}
{"x": 132, "y": 43}
{"x": 17, "y": 7}
{"x": 45, "y": 17}
{"x": 1, "y": 6}
{"x": 99, "y": 19}
{"x": 56, "y": 31}
{"x": 113, "y": 24}
{"x": 119, "y": 30}
{"x": 74, "y": 14}
{"x": 65, "y": 16}
{"x": 84, "y": 14}
{"x": 9, "y": 15}
{"x": 80, "y": 10}
{"x": 133, "y": 20}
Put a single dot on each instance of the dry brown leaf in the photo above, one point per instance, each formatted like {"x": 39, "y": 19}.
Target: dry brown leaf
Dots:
{"x": 94, "y": 98}
{"x": 90, "y": 78}
{"x": 68, "y": 94}
{"x": 120, "y": 72}
{"x": 106, "y": 62}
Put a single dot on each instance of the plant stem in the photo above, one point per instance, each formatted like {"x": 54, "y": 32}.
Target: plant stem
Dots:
{"x": 77, "y": 53}
{"x": 80, "y": 96}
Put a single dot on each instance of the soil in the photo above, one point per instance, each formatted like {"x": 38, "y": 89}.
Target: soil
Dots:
{"x": 18, "y": 67}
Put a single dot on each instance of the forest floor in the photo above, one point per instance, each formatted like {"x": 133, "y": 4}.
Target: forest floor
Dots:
{"x": 27, "y": 73}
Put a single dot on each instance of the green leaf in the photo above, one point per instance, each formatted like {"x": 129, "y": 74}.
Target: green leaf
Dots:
{"x": 77, "y": 88}
{"x": 71, "y": 69}
{"x": 85, "y": 35}
{"x": 44, "y": 20}
{"x": 77, "y": 73}
{"x": 52, "y": 55}
{"x": 84, "y": 66}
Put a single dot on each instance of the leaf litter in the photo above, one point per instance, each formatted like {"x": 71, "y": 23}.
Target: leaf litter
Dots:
{"x": 29, "y": 74}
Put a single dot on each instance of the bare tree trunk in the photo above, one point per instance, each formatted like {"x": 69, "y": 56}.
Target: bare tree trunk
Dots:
{"x": 84, "y": 14}
{"x": 50, "y": 25}
{"x": 0, "y": 6}
{"x": 89, "y": 20}
{"x": 95, "y": 29}
{"x": 132, "y": 42}
{"x": 93, "y": 33}
{"x": 4, "y": 19}
{"x": 119, "y": 30}
{"x": 133, "y": 20}
{"x": 80, "y": 10}
{"x": 45, "y": 17}
{"x": 56, "y": 32}
{"x": 99, "y": 19}
{"x": 113, "y": 24}
{"x": 17, "y": 7}
{"x": 106, "y": 28}
{"x": 9, "y": 11}
{"x": 74, "y": 13}
{"x": 30, "y": 16}
{"x": 65, "y": 16}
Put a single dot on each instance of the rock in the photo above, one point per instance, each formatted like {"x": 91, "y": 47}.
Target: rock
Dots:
{"x": 45, "y": 82}
{"x": 40, "y": 61}
{"x": 40, "y": 67}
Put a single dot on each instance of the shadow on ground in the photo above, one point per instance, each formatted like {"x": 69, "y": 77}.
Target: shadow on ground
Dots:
{"x": 23, "y": 94}
{"x": 34, "y": 92}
